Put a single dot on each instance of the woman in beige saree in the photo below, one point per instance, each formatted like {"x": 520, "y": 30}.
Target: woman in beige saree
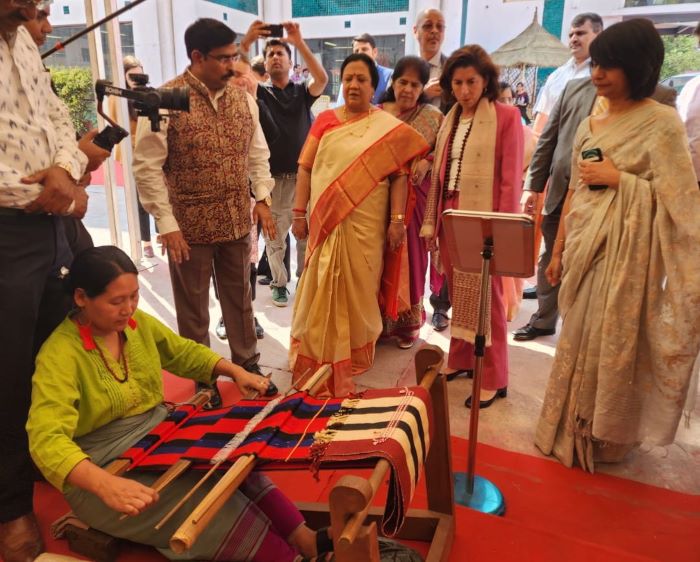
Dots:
{"x": 352, "y": 176}
{"x": 630, "y": 292}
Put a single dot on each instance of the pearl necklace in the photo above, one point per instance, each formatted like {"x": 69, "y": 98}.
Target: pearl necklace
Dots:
{"x": 447, "y": 193}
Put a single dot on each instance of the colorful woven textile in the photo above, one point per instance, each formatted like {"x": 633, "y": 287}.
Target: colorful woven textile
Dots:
{"x": 300, "y": 430}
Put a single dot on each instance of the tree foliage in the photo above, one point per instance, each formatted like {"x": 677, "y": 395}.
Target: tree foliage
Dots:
{"x": 75, "y": 87}
{"x": 681, "y": 55}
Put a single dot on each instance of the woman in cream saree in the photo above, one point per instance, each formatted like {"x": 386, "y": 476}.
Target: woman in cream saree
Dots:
{"x": 630, "y": 293}
{"x": 351, "y": 157}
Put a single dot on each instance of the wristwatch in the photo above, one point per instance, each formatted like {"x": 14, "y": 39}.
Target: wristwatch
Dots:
{"x": 267, "y": 200}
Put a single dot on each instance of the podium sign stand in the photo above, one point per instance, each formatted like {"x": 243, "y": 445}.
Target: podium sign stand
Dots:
{"x": 490, "y": 244}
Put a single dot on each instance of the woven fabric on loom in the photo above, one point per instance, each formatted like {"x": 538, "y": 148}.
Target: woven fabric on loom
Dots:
{"x": 205, "y": 433}
{"x": 392, "y": 424}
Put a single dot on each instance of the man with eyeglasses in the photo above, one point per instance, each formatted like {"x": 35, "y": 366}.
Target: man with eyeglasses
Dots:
{"x": 40, "y": 165}
{"x": 193, "y": 177}
{"x": 429, "y": 31}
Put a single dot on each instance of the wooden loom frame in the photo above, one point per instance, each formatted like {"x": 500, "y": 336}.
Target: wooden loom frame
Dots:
{"x": 351, "y": 497}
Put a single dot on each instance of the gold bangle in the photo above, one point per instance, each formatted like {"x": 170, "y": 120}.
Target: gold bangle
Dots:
{"x": 298, "y": 218}
{"x": 397, "y": 216}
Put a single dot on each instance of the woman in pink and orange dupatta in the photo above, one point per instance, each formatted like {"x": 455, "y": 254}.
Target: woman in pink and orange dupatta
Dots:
{"x": 352, "y": 176}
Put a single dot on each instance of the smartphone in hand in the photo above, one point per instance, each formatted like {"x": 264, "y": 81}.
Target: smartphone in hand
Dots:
{"x": 275, "y": 29}
{"x": 595, "y": 155}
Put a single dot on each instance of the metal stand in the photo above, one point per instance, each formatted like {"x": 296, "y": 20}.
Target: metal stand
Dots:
{"x": 470, "y": 490}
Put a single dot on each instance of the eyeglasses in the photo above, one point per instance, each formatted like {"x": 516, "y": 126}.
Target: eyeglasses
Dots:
{"x": 224, "y": 59}
{"x": 429, "y": 26}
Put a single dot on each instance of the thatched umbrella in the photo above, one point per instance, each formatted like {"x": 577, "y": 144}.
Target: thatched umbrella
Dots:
{"x": 535, "y": 46}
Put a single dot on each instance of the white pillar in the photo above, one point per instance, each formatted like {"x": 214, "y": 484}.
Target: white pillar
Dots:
{"x": 166, "y": 40}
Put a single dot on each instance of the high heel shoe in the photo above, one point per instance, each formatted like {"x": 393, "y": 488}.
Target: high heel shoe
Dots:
{"x": 500, "y": 393}
{"x": 469, "y": 373}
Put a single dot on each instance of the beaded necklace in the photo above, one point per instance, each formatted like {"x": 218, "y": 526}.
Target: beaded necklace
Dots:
{"x": 121, "y": 359}
{"x": 447, "y": 194}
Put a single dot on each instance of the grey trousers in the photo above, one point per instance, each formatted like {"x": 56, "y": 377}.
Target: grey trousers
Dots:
{"x": 191, "y": 280}
{"x": 547, "y": 312}
{"x": 282, "y": 203}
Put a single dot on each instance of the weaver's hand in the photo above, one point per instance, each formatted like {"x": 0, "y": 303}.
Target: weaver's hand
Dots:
{"x": 124, "y": 495}
{"x": 176, "y": 245}
{"x": 248, "y": 382}
{"x": 396, "y": 235}
{"x": 554, "y": 270}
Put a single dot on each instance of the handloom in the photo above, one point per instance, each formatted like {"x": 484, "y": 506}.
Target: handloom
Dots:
{"x": 393, "y": 429}
{"x": 301, "y": 430}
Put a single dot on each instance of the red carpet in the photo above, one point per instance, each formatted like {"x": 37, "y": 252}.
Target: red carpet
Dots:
{"x": 554, "y": 514}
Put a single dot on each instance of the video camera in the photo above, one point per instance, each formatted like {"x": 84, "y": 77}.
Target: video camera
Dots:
{"x": 146, "y": 101}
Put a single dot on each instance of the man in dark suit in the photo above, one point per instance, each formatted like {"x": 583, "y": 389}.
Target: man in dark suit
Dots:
{"x": 552, "y": 161}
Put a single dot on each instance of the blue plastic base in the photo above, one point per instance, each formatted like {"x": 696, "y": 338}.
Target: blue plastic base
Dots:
{"x": 486, "y": 498}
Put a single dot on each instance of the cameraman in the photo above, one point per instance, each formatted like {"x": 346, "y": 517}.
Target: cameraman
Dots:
{"x": 40, "y": 166}
{"x": 193, "y": 175}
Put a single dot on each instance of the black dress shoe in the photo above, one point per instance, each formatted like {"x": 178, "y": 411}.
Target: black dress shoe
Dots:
{"x": 529, "y": 332}
{"x": 265, "y": 280}
{"x": 530, "y": 293}
{"x": 259, "y": 332}
{"x": 469, "y": 373}
{"x": 220, "y": 330}
{"x": 440, "y": 320}
{"x": 215, "y": 400}
{"x": 500, "y": 393}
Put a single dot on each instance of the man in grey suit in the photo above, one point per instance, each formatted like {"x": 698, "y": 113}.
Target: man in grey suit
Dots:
{"x": 552, "y": 161}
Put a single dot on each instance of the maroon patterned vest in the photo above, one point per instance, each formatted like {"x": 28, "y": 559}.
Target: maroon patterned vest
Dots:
{"x": 207, "y": 165}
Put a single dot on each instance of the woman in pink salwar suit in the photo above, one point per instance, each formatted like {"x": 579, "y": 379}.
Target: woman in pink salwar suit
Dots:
{"x": 479, "y": 144}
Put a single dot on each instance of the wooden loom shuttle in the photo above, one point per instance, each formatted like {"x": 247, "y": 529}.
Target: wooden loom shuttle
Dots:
{"x": 186, "y": 535}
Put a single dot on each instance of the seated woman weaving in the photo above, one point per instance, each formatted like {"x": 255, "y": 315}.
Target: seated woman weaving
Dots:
{"x": 98, "y": 389}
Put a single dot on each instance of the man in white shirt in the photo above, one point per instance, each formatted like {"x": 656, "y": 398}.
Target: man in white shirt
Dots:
{"x": 689, "y": 109}
{"x": 40, "y": 165}
{"x": 584, "y": 28}
{"x": 193, "y": 177}
{"x": 429, "y": 31}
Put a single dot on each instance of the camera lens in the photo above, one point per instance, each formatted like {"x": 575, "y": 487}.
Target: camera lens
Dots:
{"x": 177, "y": 99}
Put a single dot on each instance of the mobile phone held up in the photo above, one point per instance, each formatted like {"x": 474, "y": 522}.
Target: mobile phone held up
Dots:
{"x": 596, "y": 155}
{"x": 275, "y": 29}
